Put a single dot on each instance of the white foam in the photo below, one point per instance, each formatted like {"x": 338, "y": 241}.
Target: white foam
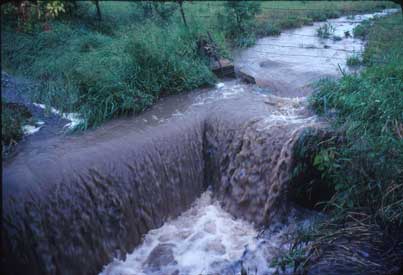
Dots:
{"x": 208, "y": 240}
{"x": 204, "y": 238}
{"x": 75, "y": 118}
{"x": 220, "y": 85}
{"x": 30, "y": 129}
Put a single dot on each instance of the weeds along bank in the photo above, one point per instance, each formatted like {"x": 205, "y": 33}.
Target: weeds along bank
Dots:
{"x": 121, "y": 60}
{"x": 361, "y": 164}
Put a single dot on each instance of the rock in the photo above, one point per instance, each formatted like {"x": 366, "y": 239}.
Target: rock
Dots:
{"x": 210, "y": 227}
{"x": 160, "y": 256}
{"x": 246, "y": 77}
{"x": 224, "y": 68}
{"x": 215, "y": 246}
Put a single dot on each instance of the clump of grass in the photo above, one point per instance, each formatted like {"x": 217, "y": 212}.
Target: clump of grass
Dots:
{"x": 325, "y": 31}
{"x": 354, "y": 60}
{"x": 268, "y": 29}
{"x": 362, "y": 30}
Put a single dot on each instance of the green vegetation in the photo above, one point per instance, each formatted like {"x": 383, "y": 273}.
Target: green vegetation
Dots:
{"x": 105, "y": 59}
{"x": 361, "y": 163}
{"x": 362, "y": 30}
{"x": 326, "y": 30}
{"x": 13, "y": 117}
{"x": 354, "y": 60}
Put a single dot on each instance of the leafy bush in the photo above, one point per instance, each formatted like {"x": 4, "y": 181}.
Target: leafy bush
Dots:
{"x": 238, "y": 20}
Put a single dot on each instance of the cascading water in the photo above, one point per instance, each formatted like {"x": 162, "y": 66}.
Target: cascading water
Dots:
{"x": 249, "y": 166}
{"x": 72, "y": 204}
{"x": 208, "y": 240}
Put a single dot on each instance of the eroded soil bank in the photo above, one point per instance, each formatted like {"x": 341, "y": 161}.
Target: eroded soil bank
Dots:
{"x": 73, "y": 203}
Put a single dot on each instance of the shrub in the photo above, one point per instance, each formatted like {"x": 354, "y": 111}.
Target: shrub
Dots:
{"x": 268, "y": 29}
{"x": 238, "y": 20}
{"x": 13, "y": 117}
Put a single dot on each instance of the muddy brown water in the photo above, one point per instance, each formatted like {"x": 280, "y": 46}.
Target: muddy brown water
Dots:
{"x": 74, "y": 203}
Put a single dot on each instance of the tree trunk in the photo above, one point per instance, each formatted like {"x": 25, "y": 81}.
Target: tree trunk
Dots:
{"x": 400, "y": 2}
{"x": 180, "y": 2}
{"x": 99, "y": 16}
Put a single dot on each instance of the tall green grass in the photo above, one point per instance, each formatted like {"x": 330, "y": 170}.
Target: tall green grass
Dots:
{"x": 367, "y": 168}
{"x": 102, "y": 76}
{"x": 359, "y": 163}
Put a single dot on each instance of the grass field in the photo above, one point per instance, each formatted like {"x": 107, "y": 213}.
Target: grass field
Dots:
{"x": 126, "y": 62}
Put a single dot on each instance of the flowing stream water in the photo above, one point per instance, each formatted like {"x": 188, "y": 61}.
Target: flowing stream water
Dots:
{"x": 196, "y": 185}
{"x": 207, "y": 239}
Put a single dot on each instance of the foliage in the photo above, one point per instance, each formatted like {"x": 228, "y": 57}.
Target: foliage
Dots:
{"x": 362, "y": 30}
{"x": 326, "y": 30}
{"x": 160, "y": 11}
{"x": 354, "y": 60}
{"x": 238, "y": 21}
{"x": 361, "y": 163}
{"x": 54, "y": 8}
{"x": 101, "y": 77}
{"x": 13, "y": 117}
{"x": 267, "y": 29}
{"x": 366, "y": 170}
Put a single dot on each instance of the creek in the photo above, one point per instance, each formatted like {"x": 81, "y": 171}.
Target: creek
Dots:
{"x": 198, "y": 184}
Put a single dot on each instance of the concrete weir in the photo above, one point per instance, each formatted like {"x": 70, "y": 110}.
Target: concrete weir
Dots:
{"x": 74, "y": 204}
{"x": 71, "y": 210}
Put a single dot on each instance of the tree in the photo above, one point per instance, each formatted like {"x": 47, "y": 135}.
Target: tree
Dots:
{"x": 157, "y": 9}
{"x": 400, "y": 2}
{"x": 239, "y": 16}
{"x": 164, "y": 10}
{"x": 180, "y": 3}
{"x": 96, "y": 3}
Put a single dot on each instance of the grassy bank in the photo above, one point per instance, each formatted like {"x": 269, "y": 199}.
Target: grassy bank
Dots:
{"x": 361, "y": 164}
{"x": 125, "y": 62}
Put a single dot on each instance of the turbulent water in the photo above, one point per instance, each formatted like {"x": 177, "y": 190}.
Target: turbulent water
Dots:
{"x": 206, "y": 240}
{"x": 74, "y": 203}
